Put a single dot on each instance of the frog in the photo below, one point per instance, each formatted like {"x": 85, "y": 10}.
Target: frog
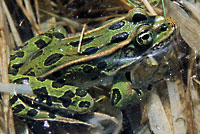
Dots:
{"x": 60, "y": 76}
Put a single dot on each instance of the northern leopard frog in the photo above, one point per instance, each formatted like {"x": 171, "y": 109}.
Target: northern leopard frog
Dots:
{"x": 60, "y": 76}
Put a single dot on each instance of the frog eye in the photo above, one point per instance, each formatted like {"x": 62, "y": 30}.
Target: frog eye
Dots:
{"x": 144, "y": 38}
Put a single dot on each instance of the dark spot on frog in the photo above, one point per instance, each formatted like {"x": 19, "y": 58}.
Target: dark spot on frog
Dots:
{"x": 57, "y": 84}
{"x": 81, "y": 92}
{"x": 37, "y": 54}
{"x": 66, "y": 102}
{"x": 13, "y": 71}
{"x": 66, "y": 98}
{"x": 20, "y": 80}
{"x": 58, "y": 35}
{"x": 12, "y": 57}
{"x": 84, "y": 42}
{"x": 139, "y": 18}
{"x": 36, "y": 103}
{"x": 40, "y": 79}
{"x": 13, "y": 99}
{"x": 32, "y": 112}
{"x": 102, "y": 65}
{"x": 68, "y": 94}
{"x": 84, "y": 104}
{"x": 17, "y": 66}
{"x": 20, "y": 54}
{"x": 31, "y": 73}
{"x": 41, "y": 43}
{"x": 116, "y": 96}
{"x": 40, "y": 91}
{"x": 18, "y": 108}
{"x": 117, "y": 25}
{"x": 47, "y": 34}
{"x": 119, "y": 37}
{"x": 90, "y": 50}
{"x": 87, "y": 69}
{"x": 74, "y": 44}
{"x": 53, "y": 59}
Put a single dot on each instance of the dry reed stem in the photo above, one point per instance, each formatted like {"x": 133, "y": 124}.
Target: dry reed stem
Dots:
{"x": 13, "y": 28}
{"x": 8, "y": 121}
{"x": 29, "y": 17}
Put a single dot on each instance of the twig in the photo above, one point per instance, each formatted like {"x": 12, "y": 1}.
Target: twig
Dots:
{"x": 74, "y": 24}
{"x": 81, "y": 38}
{"x": 31, "y": 20}
{"x": 29, "y": 9}
{"x": 8, "y": 122}
{"x": 37, "y": 11}
{"x": 15, "y": 33}
{"x": 149, "y": 7}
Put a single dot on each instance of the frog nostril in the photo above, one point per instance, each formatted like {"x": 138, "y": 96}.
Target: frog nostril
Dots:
{"x": 164, "y": 27}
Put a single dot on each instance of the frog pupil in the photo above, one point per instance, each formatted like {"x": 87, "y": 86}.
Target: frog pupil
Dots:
{"x": 145, "y": 37}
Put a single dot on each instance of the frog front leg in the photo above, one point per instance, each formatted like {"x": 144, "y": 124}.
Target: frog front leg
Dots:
{"x": 50, "y": 100}
{"x": 123, "y": 93}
